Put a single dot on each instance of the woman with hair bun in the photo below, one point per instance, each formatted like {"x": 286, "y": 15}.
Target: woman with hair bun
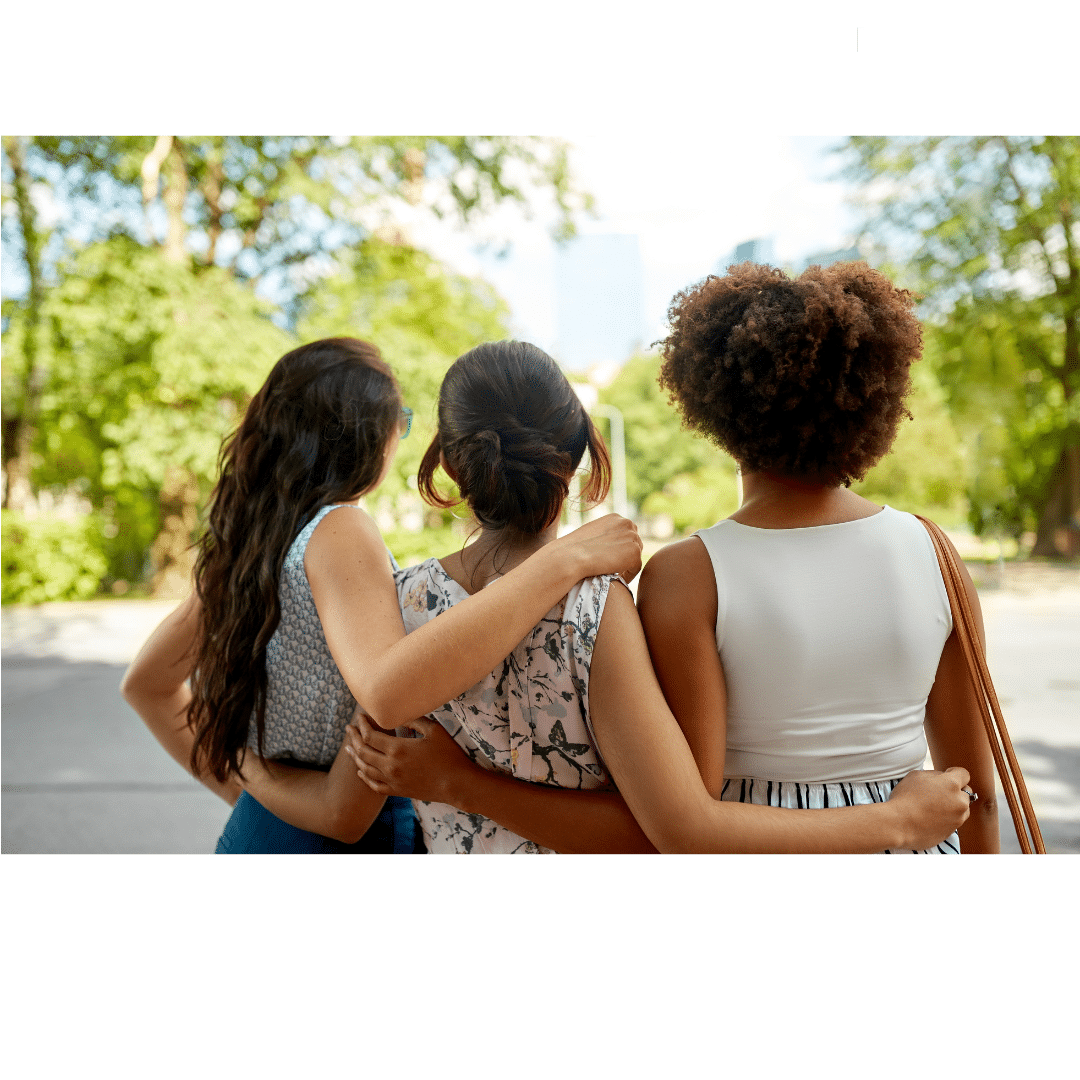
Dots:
{"x": 575, "y": 708}
{"x": 803, "y": 641}
{"x": 294, "y": 618}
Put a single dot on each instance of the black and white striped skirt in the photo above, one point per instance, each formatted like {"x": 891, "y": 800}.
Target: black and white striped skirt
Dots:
{"x": 798, "y": 796}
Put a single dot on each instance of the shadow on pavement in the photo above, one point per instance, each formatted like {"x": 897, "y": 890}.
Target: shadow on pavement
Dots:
{"x": 1053, "y": 780}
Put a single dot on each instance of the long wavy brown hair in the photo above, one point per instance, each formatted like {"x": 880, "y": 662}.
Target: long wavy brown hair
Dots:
{"x": 315, "y": 434}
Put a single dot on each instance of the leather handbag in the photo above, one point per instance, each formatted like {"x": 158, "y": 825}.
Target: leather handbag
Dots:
{"x": 1012, "y": 780}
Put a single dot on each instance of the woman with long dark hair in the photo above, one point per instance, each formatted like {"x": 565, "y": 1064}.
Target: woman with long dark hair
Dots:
{"x": 294, "y": 615}
{"x": 511, "y": 433}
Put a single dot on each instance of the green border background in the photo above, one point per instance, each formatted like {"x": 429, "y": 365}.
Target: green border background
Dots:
{"x": 159, "y": 967}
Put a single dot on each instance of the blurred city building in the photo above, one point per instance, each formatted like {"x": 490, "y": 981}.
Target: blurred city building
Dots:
{"x": 827, "y": 258}
{"x": 762, "y": 250}
{"x": 758, "y": 250}
{"x": 599, "y": 294}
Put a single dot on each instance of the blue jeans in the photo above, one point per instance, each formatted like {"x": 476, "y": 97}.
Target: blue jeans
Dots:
{"x": 253, "y": 830}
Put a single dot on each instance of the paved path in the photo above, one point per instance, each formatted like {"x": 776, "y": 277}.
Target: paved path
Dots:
{"x": 82, "y": 774}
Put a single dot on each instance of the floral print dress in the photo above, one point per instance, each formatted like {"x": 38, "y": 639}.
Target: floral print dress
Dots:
{"x": 529, "y": 718}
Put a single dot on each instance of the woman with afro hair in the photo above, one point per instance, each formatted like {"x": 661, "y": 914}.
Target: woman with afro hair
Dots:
{"x": 805, "y": 644}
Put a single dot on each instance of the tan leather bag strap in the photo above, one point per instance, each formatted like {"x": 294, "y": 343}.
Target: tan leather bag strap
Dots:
{"x": 1012, "y": 780}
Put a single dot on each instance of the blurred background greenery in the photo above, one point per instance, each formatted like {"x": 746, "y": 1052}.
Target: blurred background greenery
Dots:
{"x": 144, "y": 327}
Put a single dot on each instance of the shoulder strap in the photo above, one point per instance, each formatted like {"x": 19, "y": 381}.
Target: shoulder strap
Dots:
{"x": 1012, "y": 780}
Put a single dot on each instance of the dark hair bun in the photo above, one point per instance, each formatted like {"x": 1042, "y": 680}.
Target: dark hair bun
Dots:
{"x": 513, "y": 431}
{"x": 516, "y": 479}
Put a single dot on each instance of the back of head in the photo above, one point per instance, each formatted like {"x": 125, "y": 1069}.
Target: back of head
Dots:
{"x": 314, "y": 434}
{"x": 513, "y": 432}
{"x": 317, "y": 429}
{"x": 803, "y": 377}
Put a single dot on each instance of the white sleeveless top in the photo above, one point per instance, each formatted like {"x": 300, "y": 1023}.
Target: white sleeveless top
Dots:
{"x": 528, "y": 719}
{"x": 830, "y": 639}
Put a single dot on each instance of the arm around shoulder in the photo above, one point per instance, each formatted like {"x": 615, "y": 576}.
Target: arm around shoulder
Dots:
{"x": 396, "y": 678}
{"x": 677, "y": 604}
{"x": 650, "y": 759}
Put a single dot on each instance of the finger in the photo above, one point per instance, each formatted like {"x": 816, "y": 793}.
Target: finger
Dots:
{"x": 371, "y": 775}
{"x": 376, "y": 785}
{"x": 960, "y": 774}
{"x": 374, "y": 758}
{"x": 374, "y": 738}
{"x": 425, "y": 727}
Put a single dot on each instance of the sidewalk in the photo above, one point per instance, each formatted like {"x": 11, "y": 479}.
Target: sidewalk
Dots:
{"x": 82, "y": 774}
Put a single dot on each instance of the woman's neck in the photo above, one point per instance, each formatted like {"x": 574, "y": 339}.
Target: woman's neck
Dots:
{"x": 494, "y": 553}
{"x": 773, "y": 501}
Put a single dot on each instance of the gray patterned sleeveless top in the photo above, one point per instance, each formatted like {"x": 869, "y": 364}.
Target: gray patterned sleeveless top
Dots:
{"x": 308, "y": 702}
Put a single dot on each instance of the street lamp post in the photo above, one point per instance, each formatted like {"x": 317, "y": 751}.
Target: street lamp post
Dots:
{"x": 618, "y": 457}
{"x": 589, "y": 398}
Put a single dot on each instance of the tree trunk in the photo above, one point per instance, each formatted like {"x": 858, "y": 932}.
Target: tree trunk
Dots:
{"x": 1059, "y": 526}
{"x": 176, "y": 186}
{"x": 172, "y": 553}
{"x": 151, "y": 172}
{"x": 20, "y": 425}
{"x": 212, "y": 194}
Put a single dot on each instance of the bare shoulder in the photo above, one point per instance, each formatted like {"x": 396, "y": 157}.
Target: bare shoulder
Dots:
{"x": 678, "y": 579}
{"x": 347, "y": 532}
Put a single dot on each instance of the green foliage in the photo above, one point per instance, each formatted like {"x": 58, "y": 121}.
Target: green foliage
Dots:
{"x": 46, "y": 559}
{"x": 696, "y": 500}
{"x": 410, "y": 548}
{"x": 995, "y": 361}
{"x": 261, "y": 204}
{"x": 658, "y": 447}
{"x": 148, "y": 368}
{"x": 988, "y": 231}
{"x": 925, "y": 472}
{"x": 421, "y": 315}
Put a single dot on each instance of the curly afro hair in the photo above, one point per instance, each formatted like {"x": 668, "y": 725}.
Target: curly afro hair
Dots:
{"x": 803, "y": 377}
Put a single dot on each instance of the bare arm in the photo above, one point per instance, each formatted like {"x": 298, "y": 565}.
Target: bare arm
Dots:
{"x": 396, "y": 678}
{"x": 648, "y": 755}
{"x": 155, "y": 686}
{"x": 677, "y": 606}
{"x": 955, "y": 734}
{"x": 434, "y": 768}
{"x": 336, "y": 803}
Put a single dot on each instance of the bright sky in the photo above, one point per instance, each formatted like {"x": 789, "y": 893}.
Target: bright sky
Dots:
{"x": 688, "y": 203}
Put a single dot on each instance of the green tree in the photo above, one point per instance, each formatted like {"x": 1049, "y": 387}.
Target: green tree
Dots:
{"x": 257, "y": 205}
{"x": 422, "y": 316}
{"x": 925, "y": 472}
{"x": 658, "y": 446}
{"x": 989, "y": 229}
{"x": 138, "y": 335}
{"x": 148, "y": 367}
